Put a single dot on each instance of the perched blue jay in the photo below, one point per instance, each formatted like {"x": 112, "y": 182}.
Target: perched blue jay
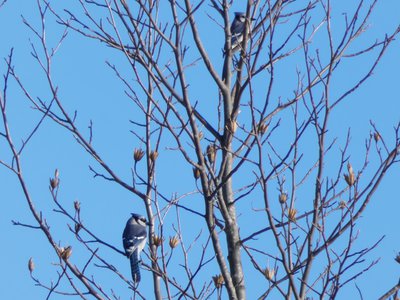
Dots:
{"x": 237, "y": 30}
{"x": 238, "y": 27}
{"x": 134, "y": 239}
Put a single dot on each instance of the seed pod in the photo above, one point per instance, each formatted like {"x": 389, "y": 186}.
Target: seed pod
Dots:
{"x": 196, "y": 173}
{"x": 138, "y": 154}
{"x": 211, "y": 153}
{"x": 269, "y": 273}
{"x": 31, "y": 265}
{"x": 377, "y": 136}
{"x": 292, "y": 214}
{"x": 153, "y": 156}
{"x": 173, "y": 241}
{"x": 232, "y": 126}
{"x": 157, "y": 240}
{"x": 218, "y": 281}
{"x": 262, "y": 128}
{"x": 283, "y": 197}
{"x": 350, "y": 178}
{"x": 78, "y": 227}
{"x": 342, "y": 204}
{"x": 77, "y": 206}
{"x": 66, "y": 252}
{"x": 54, "y": 182}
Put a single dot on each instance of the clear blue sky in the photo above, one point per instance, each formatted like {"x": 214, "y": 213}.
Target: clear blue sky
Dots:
{"x": 90, "y": 87}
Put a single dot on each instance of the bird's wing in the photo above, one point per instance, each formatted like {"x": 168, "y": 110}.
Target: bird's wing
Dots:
{"x": 237, "y": 33}
{"x": 134, "y": 236}
{"x": 237, "y": 28}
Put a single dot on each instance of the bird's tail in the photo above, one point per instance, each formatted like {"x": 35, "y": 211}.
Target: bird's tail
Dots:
{"x": 135, "y": 266}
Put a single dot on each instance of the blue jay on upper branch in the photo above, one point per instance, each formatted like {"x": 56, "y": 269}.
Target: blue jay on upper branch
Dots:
{"x": 134, "y": 239}
{"x": 238, "y": 27}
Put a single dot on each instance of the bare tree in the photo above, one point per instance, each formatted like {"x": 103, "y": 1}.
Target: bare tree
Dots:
{"x": 248, "y": 149}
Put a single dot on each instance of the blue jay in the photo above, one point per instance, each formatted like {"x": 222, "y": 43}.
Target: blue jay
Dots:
{"x": 237, "y": 33}
{"x": 134, "y": 239}
{"x": 237, "y": 30}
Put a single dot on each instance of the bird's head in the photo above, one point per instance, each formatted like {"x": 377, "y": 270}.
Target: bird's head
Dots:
{"x": 241, "y": 17}
{"x": 140, "y": 219}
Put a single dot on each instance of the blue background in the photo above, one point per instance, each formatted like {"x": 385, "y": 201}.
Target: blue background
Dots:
{"x": 88, "y": 85}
